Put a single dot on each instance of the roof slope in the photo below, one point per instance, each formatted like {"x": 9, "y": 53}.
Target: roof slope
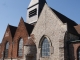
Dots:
{"x": 77, "y": 28}
{"x": 13, "y": 30}
{"x": 64, "y": 19}
{"x": 29, "y": 28}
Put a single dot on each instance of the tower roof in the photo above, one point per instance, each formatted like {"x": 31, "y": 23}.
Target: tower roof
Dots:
{"x": 34, "y": 2}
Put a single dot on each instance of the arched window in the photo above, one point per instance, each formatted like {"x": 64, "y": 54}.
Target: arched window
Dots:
{"x": 6, "y": 49}
{"x": 78, "y": 53}
{"x": 20, "y": 50}
{"x": 45, "y": 48}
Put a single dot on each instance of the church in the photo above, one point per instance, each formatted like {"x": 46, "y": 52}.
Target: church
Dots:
{"x": 47, "y": 35}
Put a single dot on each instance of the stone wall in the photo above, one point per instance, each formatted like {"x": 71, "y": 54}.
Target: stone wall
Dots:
{"x": 7, "y": 38}
{"x": 30, "y": 52}
{"x": 50, "y": 26}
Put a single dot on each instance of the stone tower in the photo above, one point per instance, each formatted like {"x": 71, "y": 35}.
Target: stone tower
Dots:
{"x": 34, "y": 9}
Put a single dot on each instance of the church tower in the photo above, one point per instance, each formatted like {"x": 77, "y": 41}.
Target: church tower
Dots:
{"x": 33, "y": 11}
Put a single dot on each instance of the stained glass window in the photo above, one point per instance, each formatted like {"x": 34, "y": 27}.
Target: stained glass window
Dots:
{"x": 45, "y": 48}
{"x": 20, "y": 50}
{"x": 6, "y": 49}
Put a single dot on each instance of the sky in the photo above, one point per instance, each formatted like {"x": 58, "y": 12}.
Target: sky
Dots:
{"x": 12, "y": 10}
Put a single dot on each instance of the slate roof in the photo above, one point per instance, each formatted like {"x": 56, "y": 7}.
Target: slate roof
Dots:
{"x": 13, "y": 30}
{"x": 70, "y": 23}
{"x": 64, "y": 19}
{"x": 29, "y": 28}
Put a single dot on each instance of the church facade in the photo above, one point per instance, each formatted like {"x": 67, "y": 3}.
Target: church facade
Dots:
{"x": 47, "y": 34}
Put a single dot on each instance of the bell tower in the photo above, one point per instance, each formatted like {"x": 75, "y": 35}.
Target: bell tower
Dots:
{"x": 34, "y": 9}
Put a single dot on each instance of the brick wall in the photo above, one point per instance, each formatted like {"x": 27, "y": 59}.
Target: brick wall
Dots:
{"x": 21, "y": 32}
{"x": 7, "y": 38}
{"x": 73, "y": 48}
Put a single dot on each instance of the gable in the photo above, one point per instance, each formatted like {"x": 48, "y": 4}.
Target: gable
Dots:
{"x": 49, "y": 20}
{"x": 49, "y": 14}
{"x": 49, "y": 24}
{"x": 7, "y": 38}
{"x": 8, "y": 35}
{"x": 70, "y": 23}
{"x": 21, "y": 29}
{"x": 52, "y": 27}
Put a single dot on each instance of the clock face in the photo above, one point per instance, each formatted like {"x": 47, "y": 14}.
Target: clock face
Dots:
{"x": 7, "y": 34}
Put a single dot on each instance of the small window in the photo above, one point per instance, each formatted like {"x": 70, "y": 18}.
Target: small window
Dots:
{"x": 45, "y": 48}
{"x": 33, "y": 12}
{"x": 6, "y": 49}
{"x": 20, "y": 50}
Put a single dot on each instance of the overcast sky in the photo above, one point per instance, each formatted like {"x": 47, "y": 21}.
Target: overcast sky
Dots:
{"x": 12, "y": 10}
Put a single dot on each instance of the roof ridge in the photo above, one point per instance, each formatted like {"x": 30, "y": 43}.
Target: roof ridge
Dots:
{"x": 68, "y": 19}
{"x": 12, "y": 26}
